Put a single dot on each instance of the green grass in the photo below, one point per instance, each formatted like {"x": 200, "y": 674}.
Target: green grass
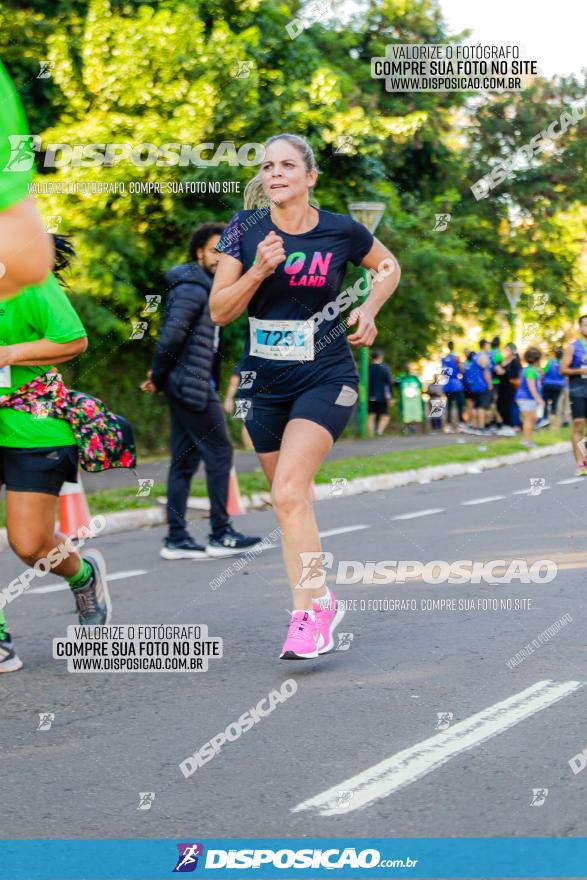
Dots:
{"x": 113, "y": 500}
{"x": 409, "y": 459}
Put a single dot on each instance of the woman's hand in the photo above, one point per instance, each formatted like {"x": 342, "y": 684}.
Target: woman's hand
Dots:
{"x": 270, "y": 253}
{"x": 366, "y": 331}
{"x": 148, "y": 386}
{"x": 6, "y": 356}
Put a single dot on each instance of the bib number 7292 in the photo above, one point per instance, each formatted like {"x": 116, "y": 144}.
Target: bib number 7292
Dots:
{"x": 280, "y": 337}
{"x": 282, "y": 340}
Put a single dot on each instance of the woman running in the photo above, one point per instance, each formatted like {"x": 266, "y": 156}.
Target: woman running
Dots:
{"x": 285, "y": 262}
{"x": 39, "y": 327}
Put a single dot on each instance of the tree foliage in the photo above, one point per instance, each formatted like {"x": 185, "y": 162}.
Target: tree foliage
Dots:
{"x": 147, "y": 72}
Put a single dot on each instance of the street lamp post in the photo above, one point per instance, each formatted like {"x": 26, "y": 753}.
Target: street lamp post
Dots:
{"x": 369, "y": 214}
{"x": 513, "y": 291}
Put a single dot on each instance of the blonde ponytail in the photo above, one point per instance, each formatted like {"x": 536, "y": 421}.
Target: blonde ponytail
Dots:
{"x": 254, "y": 194}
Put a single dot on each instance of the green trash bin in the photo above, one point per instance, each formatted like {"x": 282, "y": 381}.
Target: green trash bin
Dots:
{"x": 411, "y": 405}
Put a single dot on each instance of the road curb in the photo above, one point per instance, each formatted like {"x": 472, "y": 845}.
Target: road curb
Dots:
{"x": 128, "y": 520}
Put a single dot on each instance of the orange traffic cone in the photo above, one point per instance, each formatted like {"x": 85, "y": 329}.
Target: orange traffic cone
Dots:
{"x": 73, "y": 509}
{"x": 234, "y": 504}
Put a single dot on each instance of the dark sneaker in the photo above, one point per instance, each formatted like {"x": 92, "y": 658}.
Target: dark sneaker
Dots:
{"x": 9, "y": 662}
{"x": 230, "y": 543}
{"x": 93, "y": 603}
{"x": 186, "y": 548}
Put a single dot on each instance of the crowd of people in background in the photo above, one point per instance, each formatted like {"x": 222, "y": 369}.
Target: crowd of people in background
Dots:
{"x": 490, "y": 391}
{"x": 499, "y": 391}
{"x": 496, "y": 391}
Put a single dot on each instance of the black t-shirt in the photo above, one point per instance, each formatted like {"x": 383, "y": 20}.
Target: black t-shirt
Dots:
{"x": 380, "y": 382}
{"x": 511, "y": 371}
{"x": 310, "y": 278}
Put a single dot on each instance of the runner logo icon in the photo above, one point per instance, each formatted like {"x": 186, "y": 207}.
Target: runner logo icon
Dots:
{"x": 146, "y": 799}
{"x": 313, "y": 575}
{"x": 442, "y": 221}
{"x": 539, "y": 795}
{"x": 22, "y": 151}
{"x": 242, "y": 409}
{"x": 46, "y": 719}
{"x": 344, "y": 641}
{"x": 444, "y": 719}
{"x": 45, "y": 68}
{"x": 247, "y": 378}
{"x": 188, "y": 857}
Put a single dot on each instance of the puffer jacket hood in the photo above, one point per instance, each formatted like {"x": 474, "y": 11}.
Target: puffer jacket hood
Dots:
{"x": 188, "y": 272}
{"x": 182, "y": 364}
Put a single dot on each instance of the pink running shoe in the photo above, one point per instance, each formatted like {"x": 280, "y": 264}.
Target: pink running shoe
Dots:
{"x": 327, "y": 621}
{"x": 302, "y": 638}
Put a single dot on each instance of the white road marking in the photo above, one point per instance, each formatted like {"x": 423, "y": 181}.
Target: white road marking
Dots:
{"x": 412, "y": 763}
{"x": 420, "y": 513}
{"x": 341, "y": 531}
{"x": 572, "y": 480}
{"x": 532, "y": 491}
{"x": 482, "y": 500}
{"x": 63, "y": 585}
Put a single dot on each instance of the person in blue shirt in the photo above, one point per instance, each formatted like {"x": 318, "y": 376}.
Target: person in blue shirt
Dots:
{"x": 553, "y": 383}
{"x": 574, "y": 365}
{"x": 453, "y": 388}
{"x": 478, "y": 382}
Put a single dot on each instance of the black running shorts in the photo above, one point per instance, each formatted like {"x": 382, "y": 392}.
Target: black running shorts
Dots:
{"x": 379, "y": 407}
{"x": 38, "y": 470}
{"x": 330, "y": 405}
{"x": 578, "y": 407}
{"x": 482, "y": 399}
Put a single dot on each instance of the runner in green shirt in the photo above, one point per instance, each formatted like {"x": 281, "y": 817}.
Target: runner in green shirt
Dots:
{"x": 26, "y": 251}
{"x": 38, "y": 328}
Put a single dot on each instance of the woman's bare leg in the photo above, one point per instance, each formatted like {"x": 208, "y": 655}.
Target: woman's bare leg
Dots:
{"x": 304, "y": 446}
{"x": 30, "y": 524}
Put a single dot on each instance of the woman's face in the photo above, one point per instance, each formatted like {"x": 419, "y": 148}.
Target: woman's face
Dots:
{"x": 284, "y": 175}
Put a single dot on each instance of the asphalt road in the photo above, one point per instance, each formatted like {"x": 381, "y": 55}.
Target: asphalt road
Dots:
{"x": 115, "y": 735}
{"x": 247, "y": 461}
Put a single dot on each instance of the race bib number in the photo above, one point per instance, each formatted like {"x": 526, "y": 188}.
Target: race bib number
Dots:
{"x": 282, "y": 340}
{"x": 5, "y": 377}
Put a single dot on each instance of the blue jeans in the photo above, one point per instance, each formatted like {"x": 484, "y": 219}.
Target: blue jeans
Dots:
{"x": 196, "y": 437}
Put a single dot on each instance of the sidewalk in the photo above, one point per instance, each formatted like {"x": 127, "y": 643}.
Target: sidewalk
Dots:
{"x": 245, "y": 462}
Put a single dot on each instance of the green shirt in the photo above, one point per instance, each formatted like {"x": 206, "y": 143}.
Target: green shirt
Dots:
{"x": 14, "y": 182}
{"x": 41, "y": 311}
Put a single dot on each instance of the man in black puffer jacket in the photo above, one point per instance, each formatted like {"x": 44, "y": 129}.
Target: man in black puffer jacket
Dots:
{"x": 182, "y": 368}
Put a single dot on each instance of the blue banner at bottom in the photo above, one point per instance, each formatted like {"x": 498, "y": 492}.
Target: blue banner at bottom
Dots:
{"x": 276, "y": 858}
